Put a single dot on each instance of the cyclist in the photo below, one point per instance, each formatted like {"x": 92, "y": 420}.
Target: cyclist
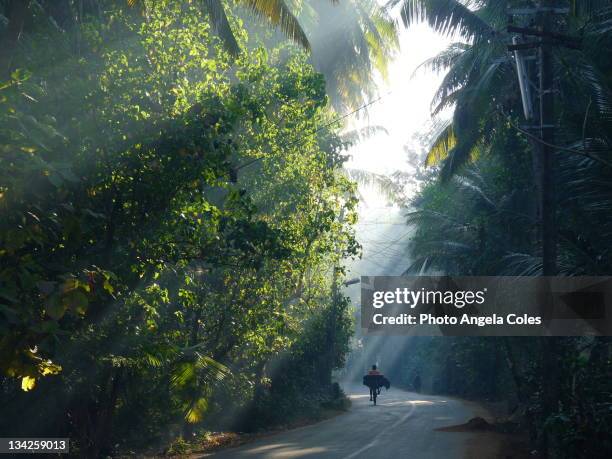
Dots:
{"x": 374, "y": 380}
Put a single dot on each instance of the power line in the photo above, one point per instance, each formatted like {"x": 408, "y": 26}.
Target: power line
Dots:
{"x": 340, "y": 118}
{"x": 381, "y": 223}
{"x": 585, "y": 153}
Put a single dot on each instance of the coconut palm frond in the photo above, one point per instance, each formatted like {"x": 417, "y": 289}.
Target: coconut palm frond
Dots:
{"x": 276, "y": 12}
{"x": 383, "y": 184}
{"x": 220, "y": 25}
{"x": 192, "y": 378}
{"x": 351, "y": 43}
{"x": 444, "y": 59}
{"x": 585, "y": 76}
{"x": 279, "y": 14}
{"x": 195, "y": 409}
{"x": 456, "y": 78}
{"x": 474, "y": 101}
{"x": 461, "y": 154}
{"x": 468, "y": 136}
{"x": 381, "y": 36}
{"x": 197, "y": 367}
{"x": 522, "y": 264}
{"x": 442, "y": 254}
{"x": 447, "y": 17}
{"x": 466, "y": 185}
{"x": 363, "y": 133}
{"x": 443, "y": 143}
{"x": 425, "y": 216}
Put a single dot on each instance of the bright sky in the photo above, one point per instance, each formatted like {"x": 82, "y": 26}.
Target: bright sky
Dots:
{"x": 404, "y": 108}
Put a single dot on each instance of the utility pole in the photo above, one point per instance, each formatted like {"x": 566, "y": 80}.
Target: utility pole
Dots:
{"x": 548, "y": 206}
{"x": 547, "y": 134}
{"x": 543, "y": 22}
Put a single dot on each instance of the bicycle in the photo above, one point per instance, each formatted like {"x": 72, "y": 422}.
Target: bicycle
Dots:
{"x": 375, "y": 383}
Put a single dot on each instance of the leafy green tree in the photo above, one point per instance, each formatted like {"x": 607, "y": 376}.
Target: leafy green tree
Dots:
{"x": 170, "y": 218}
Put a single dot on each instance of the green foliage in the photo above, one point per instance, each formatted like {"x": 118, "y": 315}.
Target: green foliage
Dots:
{"x": 178, "y": 447}
{"x": 478, "y": 222}
{"x": 170, "y": 219}
{"x": 482, "y": 218}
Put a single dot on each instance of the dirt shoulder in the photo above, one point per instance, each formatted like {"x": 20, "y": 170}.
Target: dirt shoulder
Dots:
{"x": 217, "y": 441}
{"x": 489, "y": 438}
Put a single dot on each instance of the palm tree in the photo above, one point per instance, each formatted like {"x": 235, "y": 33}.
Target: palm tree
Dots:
{"x": 481, "y": 85}
{"x": 479, "y": 73}
{"x": 352, "y": 42}
{"x": 276, "y": 12}
{"x": 480, "y": 82}
{"x": 387, "y": 186}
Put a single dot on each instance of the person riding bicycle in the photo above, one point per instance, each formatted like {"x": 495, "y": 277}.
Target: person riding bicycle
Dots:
{"x": 374, "y": 371}
{"x": 375, "y": 380}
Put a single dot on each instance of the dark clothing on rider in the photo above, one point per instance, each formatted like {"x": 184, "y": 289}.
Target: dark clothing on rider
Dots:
{"x": 375, "y": 380}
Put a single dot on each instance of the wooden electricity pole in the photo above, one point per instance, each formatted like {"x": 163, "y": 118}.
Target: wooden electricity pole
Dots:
{"x": 547, "y": 134}
{"x": 543, "y": 23}
{"x": 544, "y": 20}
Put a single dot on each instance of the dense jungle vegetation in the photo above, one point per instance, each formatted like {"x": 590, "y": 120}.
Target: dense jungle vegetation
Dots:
{"x": 477, "y": 213}
{"x": 173, "y": 221}
{"x": 174, "y": 214}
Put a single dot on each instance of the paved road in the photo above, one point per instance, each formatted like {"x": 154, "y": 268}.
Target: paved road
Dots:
{"x": 401, "y": 426}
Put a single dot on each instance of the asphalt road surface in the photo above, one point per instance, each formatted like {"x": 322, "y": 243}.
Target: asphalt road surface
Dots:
{"x": 402, "y": 425}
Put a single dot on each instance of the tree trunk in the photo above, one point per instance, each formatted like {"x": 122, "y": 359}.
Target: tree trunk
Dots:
{"x": 518, "y": 380}
{"x": 105, "y": 423}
